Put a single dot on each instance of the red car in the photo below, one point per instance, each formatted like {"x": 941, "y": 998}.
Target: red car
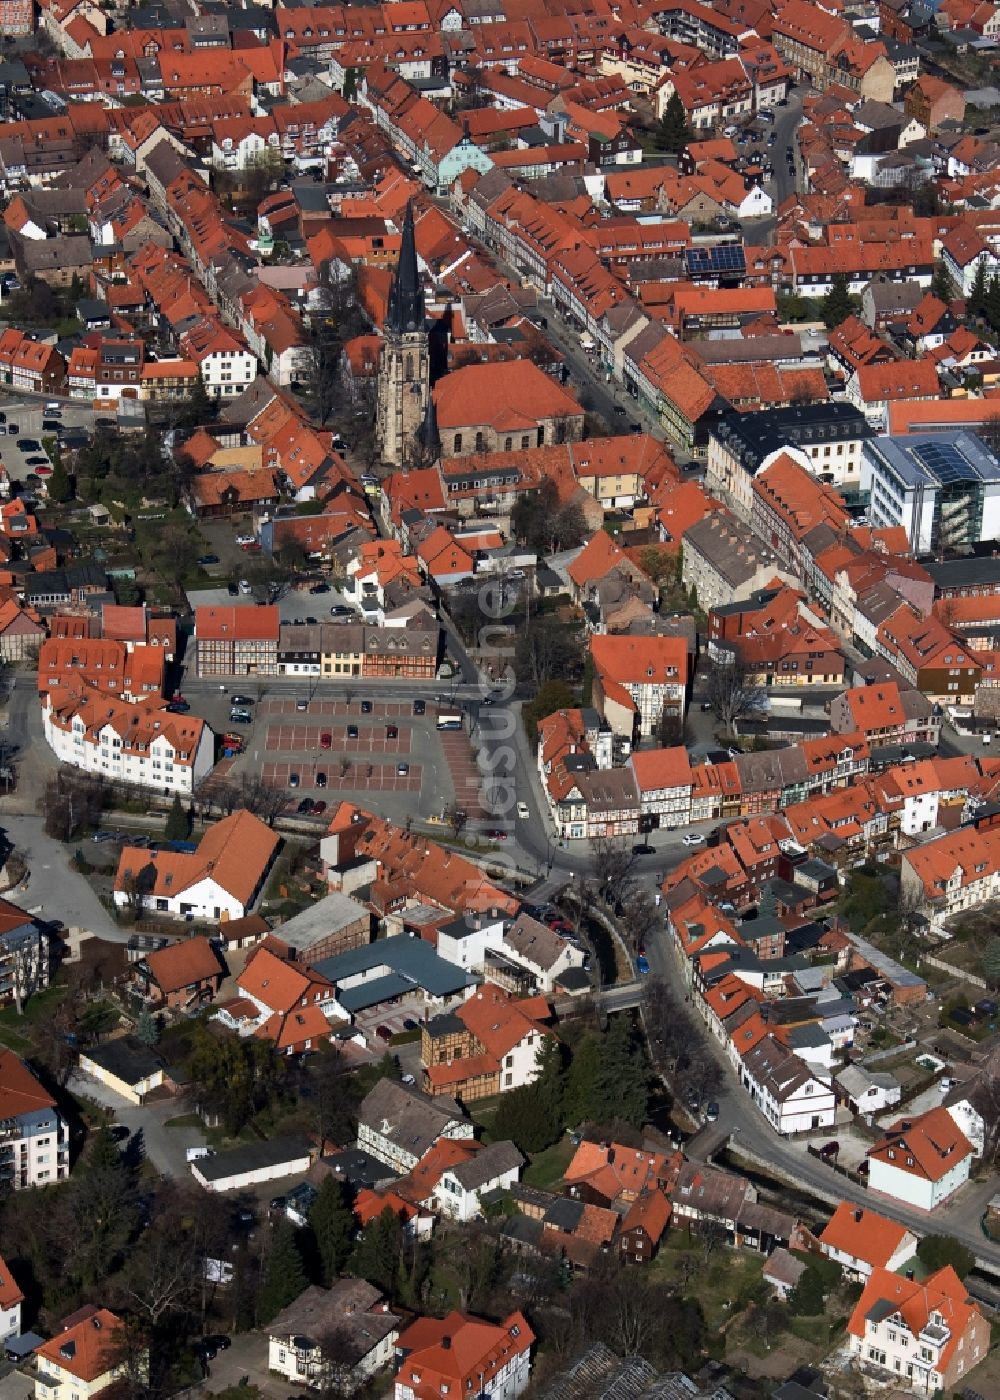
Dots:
{"x": 383, "y": 1032}
{"x": 497, "y": 834}
{"x": 326, "y": 741}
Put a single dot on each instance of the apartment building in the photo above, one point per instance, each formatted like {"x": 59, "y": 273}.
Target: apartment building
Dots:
{"x": 141, "y": 744}
{"x": 34, "y": 1137}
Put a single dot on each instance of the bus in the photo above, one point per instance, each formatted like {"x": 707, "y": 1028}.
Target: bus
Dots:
{"x": 449, "y": 722}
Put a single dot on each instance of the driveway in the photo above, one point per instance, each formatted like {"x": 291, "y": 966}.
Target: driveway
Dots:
{"x": 165, "y": 1147}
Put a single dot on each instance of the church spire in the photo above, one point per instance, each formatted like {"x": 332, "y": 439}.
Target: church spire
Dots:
{"x": 406, "y": 298}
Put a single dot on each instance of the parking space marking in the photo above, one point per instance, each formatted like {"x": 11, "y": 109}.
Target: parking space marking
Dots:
{"x": 359, "y": 777}
{"x": 384, "y": 709}
{"x": 301, "y": 738}
{"x": 465, "y": 775}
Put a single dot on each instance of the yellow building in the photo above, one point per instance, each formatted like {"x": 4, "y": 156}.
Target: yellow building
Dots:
{"x": 85, "y": 1358}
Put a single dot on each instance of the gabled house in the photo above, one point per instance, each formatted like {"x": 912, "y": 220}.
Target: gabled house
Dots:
{"x": 284, "y": 1002}
{"x": 921, "y": 1161}
{"x": 355, "y": 1312}
{"x": 220, "y": 880}
{"x": 461, "y": 1355}
{"x": 180, "y": 976}
{"x": 397, "y": 1124}
{"x": 488, "y": 1045}
{"x": 923, "y": 1335}
{"x": 861, "y": 1241}
{"x": 11, "y": 1299}
{"x": 85, "y": 1358}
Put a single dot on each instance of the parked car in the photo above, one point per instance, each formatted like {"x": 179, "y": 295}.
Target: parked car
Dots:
{"x": 402, "y": 769}
{"x": 693, "y": 838}
{"x": 643, "y": 849}
{"x": 352, "y": 731}
{"x": 419, "y": 707}
{"x": 293, "y": 780}
{"x": 712, "y": 1111}
{"x": 522, "y": 811}
{"x": 383, "y": 1032}
{"x": 642, "y": 965}
{"x": 320, "y": 588}
{"x": 244, "y": 540}
{"x": 205, "y": 559}
{"x": 242, "y": 699}
{"x": 301, "y": 705}
{"x": 245, "y": 586}
{"x": 366, "y": 707}
{"x": 232, "y": 590}
{"x": 321, "y": 780}
{"x": 178, "y": 707}
{"x": 29, "y": 445}
{"x": 305, "y": 806}
{"x": 326, "y": 740}
{"x": 496, "y": 833}
{"x": 391, "y": 731}
{"x": 319, "y": 807}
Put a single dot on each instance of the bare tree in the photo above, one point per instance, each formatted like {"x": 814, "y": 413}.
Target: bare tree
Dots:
{"x": 637, "y": 917}
{"x": 137, "y": 886}
{"x": 615, "y": 869}
{"x": 262, "y": 797}
{"x": 733, "y": 694}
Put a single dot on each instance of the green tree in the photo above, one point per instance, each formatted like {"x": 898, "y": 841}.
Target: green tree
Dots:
{"x": 991, "y": 961}
{"x": 284, "y": 1277}
{"x": 521, "y": 1119}
{"x": 378, "y": 1253}
{"x": 940, "y": 1251}
{"x": 992, "y": 307}
{"x": 941, "y": 284}
{"x": 553, "y": 695}
{"x": 200, "y": 408}
{"x": 806, "y": 1298}
{"x": 673, "y": 133}
{"x": 580, "y": 1080}
{"x": 60, "y": 487}
{"x": 178, "y": 827}
{"x": 838, "y": 303}
{"x": 147, "y": 1028}
{"x": 332, "y": 1223}
{"x": 620, "y": 1087}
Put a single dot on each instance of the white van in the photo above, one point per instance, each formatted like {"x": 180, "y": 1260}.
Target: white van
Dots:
{"x": 53, "y": 407}
{"x": 987, "y": 740}
{"x": 195, "y": 1154}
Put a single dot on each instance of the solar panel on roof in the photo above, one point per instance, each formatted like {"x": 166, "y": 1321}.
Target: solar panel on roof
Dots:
{"x": 723, "y": 257}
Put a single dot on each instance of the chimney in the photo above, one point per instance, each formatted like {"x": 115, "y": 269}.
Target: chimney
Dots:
{"x": 858, "y": 1214}
{"x": 446, "y": 1344}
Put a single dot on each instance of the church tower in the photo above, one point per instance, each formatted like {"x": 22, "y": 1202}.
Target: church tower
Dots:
{"x": 404, "y": 366}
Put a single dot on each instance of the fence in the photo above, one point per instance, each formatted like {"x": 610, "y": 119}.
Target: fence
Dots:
{"x": 954, "y": 971}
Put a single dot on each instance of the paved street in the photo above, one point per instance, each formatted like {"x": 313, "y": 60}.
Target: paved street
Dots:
{"x": 54, "y": 890}
{"x": 165, "y": 1147}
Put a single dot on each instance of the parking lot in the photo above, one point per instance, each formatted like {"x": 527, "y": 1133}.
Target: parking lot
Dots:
{"x": 24, "y": 424}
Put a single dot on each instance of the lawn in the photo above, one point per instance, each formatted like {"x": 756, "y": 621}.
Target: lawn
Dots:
{"x": 725, "y": 1283}
{"x": 546, "y": 1168}
{"x": 185, "y": 1120}
{"x": 37, "y": 1010}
